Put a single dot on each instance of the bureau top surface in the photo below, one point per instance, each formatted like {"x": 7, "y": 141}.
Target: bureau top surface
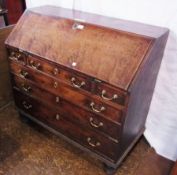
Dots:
{"x": 108, "y": 54}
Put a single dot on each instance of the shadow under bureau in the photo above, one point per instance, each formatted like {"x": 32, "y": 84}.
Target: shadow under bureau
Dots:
{"x": 86, "y": 78}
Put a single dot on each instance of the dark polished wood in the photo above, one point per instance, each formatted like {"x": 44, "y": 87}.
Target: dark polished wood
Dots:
{"x": 78, "y": 48}
{"x": 174, "y": 170}
{"x": 58, "y": 121}
{"x": 90, "y": 81}
{"x": 15, "y": 10}
{"x": 5, "y": 87}
{"x": 68, "y": 92}
{"x": 141, "y": 91}
{"x": 77, "y": 114}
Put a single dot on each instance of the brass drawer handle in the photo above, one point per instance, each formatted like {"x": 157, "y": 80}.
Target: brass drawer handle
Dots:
{"x": 103, "y": 95}
{"x": 26, "y": 88}
{"x": 93, "y": 144}
{"x": 92, "y": 104}
{"x": 55, "y": 71}
{"x": 23, "y": 74}
{"x": 26, "y": 106}
{"x": 94, "y": 124}
{"x": 19, "y": 55}
{"x": 55, "y": 85}
{"x": 57, "y": 117}
{"x": 77, "y": 85}
{"x": 35, "y": 66}
{"x": 14, "y": 57}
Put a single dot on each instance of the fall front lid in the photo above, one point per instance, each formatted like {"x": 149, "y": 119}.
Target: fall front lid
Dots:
{"x": 107, "y": 54}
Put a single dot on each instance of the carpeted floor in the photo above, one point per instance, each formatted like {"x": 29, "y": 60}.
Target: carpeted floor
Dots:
{"x": 27, "y": 149}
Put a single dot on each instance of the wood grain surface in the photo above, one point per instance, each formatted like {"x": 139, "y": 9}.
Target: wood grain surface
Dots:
{"x": 47, "y": 115}
{"x": 5, "y": 87}
{"x": 68, "y": 92}
{"x": 174, "y": 171}
{"x": 104, "y": 108}
{"x": 76, "y": 114}
{"x": 91, "y": 49}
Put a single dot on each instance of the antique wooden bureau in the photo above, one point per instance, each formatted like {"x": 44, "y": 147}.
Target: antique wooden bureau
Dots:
{"x": 85, "y": 77}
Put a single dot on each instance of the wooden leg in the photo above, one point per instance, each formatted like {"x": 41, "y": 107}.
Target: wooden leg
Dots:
{"x": 109, "y": 170}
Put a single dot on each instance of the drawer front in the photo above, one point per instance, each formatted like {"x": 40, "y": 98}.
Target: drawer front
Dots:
{"x": 109, "y": 93}
{"x": 77, "y": 114}
{"x": 54, "y": 119}
{"x": 71, "y": 78}
{"x": 17, "y": 56}
{"x": 68, "y": 93}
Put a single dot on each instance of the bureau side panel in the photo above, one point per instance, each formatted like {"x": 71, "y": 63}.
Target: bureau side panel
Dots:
{"x": 174, "y": 169}
{"x": 141, "y": 92}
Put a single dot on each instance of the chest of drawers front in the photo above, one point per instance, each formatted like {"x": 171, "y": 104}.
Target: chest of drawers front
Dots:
{"x": 91, "y": 86}
{"x": 69, "y": 102}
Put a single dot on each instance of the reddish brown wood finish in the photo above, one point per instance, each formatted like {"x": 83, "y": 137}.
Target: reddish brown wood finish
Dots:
{"x": 76, "y": 114}
{"x": 174, "y": 171}
{"x": 49, "y": 115}
{"x": 91, "y": 48}
{"x": 70, "y": 93}
{"x": 5, "y": 87}
{"x": 141, "y": 91}
{"x": 15, "y": 10}
{"x": 17, "y": 56}
{"x": 56, "y": 71}
{"x": 110, "y": 62}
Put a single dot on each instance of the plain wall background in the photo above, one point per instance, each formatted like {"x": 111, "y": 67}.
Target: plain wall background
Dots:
{"x": 162, "y": 118}
{"x": 157, "y": 12}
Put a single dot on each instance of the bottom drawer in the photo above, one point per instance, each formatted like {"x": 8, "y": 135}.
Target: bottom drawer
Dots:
{"x": 50, "y": 116}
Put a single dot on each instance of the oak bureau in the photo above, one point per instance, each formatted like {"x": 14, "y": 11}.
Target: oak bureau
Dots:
{"x": 85, "y": 77}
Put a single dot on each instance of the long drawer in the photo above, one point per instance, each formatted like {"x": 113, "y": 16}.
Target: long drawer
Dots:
{"x": 71, "y": 111}
{"x": 70, "y": 93}
{"x": 52, "y": 117}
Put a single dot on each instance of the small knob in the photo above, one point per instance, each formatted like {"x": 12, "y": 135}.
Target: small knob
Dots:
{"x": 55, "y": 84}
{"x": 74, "y": 64}
{"x": 57, "y": 117}
{"x": 57, "y": 99}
